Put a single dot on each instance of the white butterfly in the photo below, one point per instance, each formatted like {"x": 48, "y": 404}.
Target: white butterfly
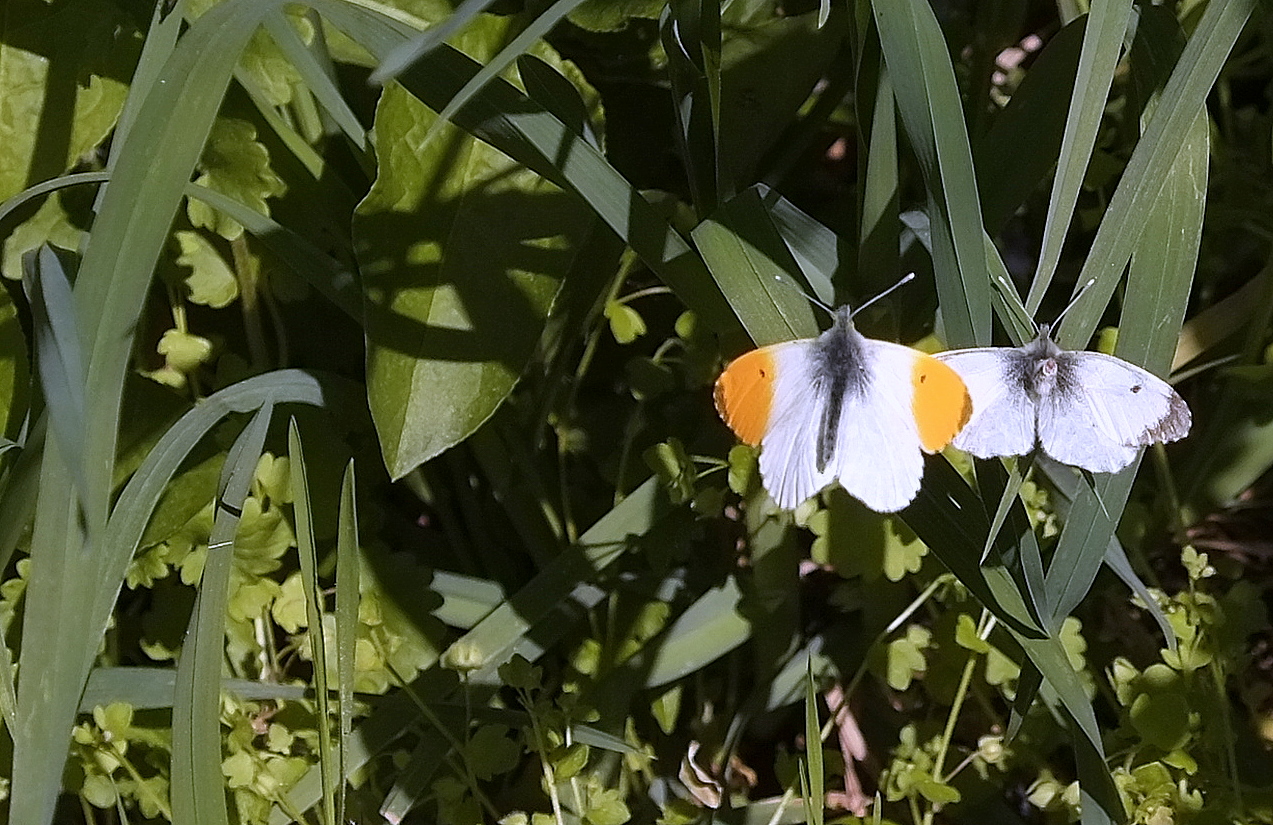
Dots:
{"x": 842, "y": 407}
{"x": 1086, "y": 409}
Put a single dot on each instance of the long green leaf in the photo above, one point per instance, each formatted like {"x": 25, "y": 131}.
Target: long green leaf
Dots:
{"x": 1148, "y": 169}
{"x": 1103, "y": 36}
{"x": 134, "y": 213}
{"x": 929, "y": 102}
{"x": 198, "y": 794}
{"x": 307, "y": 554}
{"x": 347, "y": 581}
{"x": 1158, "y": 289}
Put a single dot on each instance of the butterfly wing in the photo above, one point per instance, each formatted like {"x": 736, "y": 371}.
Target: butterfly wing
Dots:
{"x": 1003, "y": 412}
{"x": 910, "y": 403}
{"x": 1103, "y": 409}
{"x": 771, "y": 397}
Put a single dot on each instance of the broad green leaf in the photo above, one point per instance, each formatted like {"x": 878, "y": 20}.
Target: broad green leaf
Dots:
{"x": 525, "y": 130}
{"x": 462, "y": 250}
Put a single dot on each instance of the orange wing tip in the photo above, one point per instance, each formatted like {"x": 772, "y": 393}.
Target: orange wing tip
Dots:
{"x": 940, "y": 402}
{"x": 745, "y": 393}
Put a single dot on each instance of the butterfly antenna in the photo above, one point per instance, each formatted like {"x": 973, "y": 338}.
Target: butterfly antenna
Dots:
{"x": 905, "y": 279}
{"x": 803, "y": 294}
{"x": 1082, "y": 290}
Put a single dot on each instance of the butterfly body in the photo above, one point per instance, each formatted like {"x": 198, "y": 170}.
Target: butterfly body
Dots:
{"x": 1087, "y": 409}
{"x": 842, "y": 407}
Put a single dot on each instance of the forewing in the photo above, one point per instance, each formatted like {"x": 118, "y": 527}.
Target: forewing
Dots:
{"x": 878, "y": 458}
{"x": 1103, "y": 409}
{"x": 788, "y": 449}
{"x": 1003, "y": 413}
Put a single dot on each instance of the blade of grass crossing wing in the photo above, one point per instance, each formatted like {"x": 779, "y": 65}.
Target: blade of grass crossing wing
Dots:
{"x": 347, "y": 575}
{"x": 1148, "y": 168}
{"x": 307, "y": 554}
{"x": 813, "y": 751}
{"x": 1103, "y": 36}
{"x": 930, "y": 105}
{"x": 197, "y": 785}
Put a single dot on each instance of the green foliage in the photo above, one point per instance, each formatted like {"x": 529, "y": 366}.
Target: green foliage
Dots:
{"x": 502, "y": 285}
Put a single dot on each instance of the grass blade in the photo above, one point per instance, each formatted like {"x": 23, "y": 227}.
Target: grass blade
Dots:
{"x": 307, "y": 553}
{"x": 1103, "y": 36}
{"x": 198, "y": 793}
{"x": 1149, "y": 167}
{"x": 347, "y": 580}
{"x": 402, "y": 56}
{"x": 929, "y": 102}
{"x": 1158, "y": 287}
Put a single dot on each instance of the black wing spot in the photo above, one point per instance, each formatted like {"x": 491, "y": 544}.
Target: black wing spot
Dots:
{"x": 1137, "y": 387}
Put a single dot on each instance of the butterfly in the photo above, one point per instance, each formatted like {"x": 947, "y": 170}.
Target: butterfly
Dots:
{"x": 842, "y": 407}
{"x": 1086, "y": 409}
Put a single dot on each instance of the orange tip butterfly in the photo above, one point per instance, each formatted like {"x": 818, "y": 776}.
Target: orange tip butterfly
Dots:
{"x": 842, "y": 407}
{"x": 1086, "y": 409}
